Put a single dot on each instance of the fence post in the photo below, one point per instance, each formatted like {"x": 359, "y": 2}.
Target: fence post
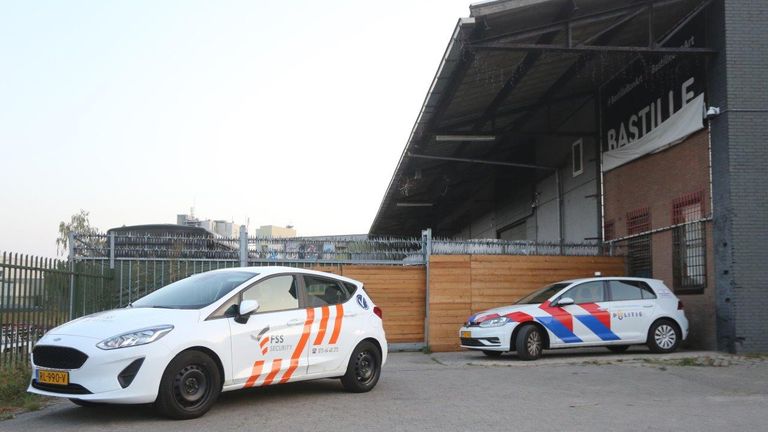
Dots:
{"x": 71, "y": 244}
{"x": 243, "y": 246}
{"x": 426, "y": 241}
{"x": 112, "y": 250}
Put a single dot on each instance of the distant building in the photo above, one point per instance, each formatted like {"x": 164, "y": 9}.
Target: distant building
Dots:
{"x": 219, "y": 227}
{"x": 272, "y": 231}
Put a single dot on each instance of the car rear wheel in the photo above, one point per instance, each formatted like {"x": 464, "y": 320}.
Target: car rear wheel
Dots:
{"x": 189, "y": 387}
{"x": 493, "y": 354}
{"x": 364, "y": 368}
{"x": 529, "y": 343}
{"x": 617, "y": 348}
{"x": 663, "y": 336}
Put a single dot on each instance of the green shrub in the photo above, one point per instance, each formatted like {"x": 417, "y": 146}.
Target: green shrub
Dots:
{"x": 14, "y": 380}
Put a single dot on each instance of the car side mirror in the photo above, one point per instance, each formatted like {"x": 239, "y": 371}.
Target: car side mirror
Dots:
{"x": 246, "y": 308}
{"x": 565, "y": 301}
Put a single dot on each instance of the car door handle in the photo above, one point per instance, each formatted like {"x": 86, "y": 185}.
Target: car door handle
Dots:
{"x": 647, "y": 306}
{"x": 295, "y": 322}
{"x": 346, "y": 315}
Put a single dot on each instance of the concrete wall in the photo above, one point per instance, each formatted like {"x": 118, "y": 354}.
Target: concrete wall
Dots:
{"x": 737, "y": 78}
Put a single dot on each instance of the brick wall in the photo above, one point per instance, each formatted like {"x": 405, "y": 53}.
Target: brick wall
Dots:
{"x": 655, "y": 182}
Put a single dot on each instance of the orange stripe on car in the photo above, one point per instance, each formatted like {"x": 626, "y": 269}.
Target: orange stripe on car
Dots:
{"x": 263, "y": 342}
{"x": 273, "y": 373}
{"x": 300, "y": 346}
{"x": 337, "y": 324}
{"x": 323, "y": 325}
{"x": 255, "y": 373}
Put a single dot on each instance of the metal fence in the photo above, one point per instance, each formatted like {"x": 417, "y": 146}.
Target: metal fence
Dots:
{"x": 108, "y": 271}
{"x": 38, "y": 294}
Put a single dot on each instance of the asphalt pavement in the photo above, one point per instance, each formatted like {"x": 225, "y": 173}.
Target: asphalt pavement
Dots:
{"x": 564, "y": 391}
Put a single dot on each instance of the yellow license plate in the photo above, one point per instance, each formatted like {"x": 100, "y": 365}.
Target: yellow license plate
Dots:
{"x": 52, "y": 377}
{"x": 466, "y": 334}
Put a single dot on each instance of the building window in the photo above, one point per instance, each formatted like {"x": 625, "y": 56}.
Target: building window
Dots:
{"x": 577, "y": 150}
{"x": 610, "y": 230}
{"x": 639, "y": 247}
{"x": 689, "y": 244}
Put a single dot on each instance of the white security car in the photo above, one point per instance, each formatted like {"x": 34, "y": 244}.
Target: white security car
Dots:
{"x": 222, "y": 330}
{"x": 610, "y": 312}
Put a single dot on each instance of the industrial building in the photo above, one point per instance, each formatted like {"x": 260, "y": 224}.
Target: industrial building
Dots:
{"x": 635, "y": 125}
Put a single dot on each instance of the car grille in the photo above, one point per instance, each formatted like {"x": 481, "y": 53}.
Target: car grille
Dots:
{"x": 477, "y": 342}
{"x": 58, "y": 357}
{"x": 65, "y": 389}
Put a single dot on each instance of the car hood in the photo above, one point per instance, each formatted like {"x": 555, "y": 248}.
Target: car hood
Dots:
{"x": 110, "y": 323}
{"x": 501, "y": 311}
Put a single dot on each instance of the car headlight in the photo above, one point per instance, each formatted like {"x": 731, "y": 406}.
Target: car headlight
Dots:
{"x": 134, "y": 338}
{"x": 495, "y": 322}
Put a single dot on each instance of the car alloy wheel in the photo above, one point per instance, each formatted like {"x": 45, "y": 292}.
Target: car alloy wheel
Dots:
{"x": 665, "y": 336}
{"x": 533, "y": 344}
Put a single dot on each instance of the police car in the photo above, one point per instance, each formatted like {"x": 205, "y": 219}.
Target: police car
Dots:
{"x": 222, "y": 330}
{"x": 610, "y": 312}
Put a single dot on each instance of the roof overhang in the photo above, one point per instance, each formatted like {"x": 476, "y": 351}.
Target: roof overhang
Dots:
{"x": 511, "y": 77}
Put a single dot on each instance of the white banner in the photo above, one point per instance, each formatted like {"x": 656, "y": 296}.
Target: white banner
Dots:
{"x": 676, "y": 128}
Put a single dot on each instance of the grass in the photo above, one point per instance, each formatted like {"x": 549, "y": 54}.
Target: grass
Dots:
{"x": 14, "y": 398}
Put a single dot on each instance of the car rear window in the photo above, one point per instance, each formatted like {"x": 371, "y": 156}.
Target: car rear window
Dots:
{"x": 622, "y": 290}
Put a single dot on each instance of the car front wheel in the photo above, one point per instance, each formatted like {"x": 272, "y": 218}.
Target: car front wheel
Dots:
{"x": 663, "y": 336}
{"x": 364, "y": 368}
{"x": 189, "y": 387}
{"x": 529, "y": 343}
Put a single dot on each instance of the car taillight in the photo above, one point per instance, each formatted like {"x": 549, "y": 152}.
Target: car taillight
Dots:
{"x": 679, "y": 305}
{"x": 378, "y": 312}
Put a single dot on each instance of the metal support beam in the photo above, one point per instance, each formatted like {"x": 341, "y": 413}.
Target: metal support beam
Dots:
{"x": 479, "y": 161}
{"x": 581, "y": 49}
{"x": 579, "y": 21}
{"x": 523, "y": 68}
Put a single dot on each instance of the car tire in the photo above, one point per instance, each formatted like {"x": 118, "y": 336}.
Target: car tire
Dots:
{"x": 664, "y": 336}
{"x": 85, "y": 403}
{"x": 363, "y": 369}
{"x": 617, "y": 348}
{"x": 529, "y": 343}
{"x": 492, "y": 354}
{"x": 189, "y": 387}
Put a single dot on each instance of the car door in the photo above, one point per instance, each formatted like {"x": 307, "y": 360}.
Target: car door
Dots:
{"x": 335, "y": 322}
{"x": 270, "y": 347}
{"x": 631, "y": 305}
{"x": 591, "y": 319}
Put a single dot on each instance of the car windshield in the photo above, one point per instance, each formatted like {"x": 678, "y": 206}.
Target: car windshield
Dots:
{"x": 194, "y": 292}
{"x": 543, "y": 294}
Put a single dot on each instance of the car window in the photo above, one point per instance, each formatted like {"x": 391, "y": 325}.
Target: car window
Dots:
{"x": 622, "y": 290}
{"x": 351, "y": 288}
{"x": 323, "y": 292}
{"x": 542, "y": 295}
{"x": 194, "y": 292}
{"x": 588, "y": 292}
{"x": 274, "y": 294}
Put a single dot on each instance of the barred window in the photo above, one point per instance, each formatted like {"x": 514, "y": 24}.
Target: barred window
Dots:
{"x": 689, "y": 251}
{"x": 639, "y": 248}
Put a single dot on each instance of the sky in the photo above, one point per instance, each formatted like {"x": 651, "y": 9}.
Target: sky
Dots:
{"x": 260, "y": 112}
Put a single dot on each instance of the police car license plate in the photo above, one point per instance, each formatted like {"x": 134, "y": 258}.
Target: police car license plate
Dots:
{"x": 53, "y": 377}
{"x": 466, "y": 334}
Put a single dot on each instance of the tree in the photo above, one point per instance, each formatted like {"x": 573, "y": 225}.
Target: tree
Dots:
{"x": 79, "y": 224}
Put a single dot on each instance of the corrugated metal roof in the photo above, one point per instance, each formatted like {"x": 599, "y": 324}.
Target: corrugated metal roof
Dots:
{"x": 468, "y": 79}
